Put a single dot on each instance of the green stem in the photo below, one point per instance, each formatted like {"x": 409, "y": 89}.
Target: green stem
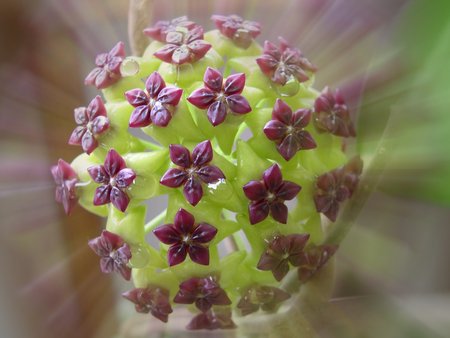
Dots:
{"x": 155, "y": 221}
{"x": 151, "y": 145}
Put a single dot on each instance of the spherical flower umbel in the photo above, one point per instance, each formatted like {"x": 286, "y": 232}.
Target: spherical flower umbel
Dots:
{"x": 160, "y": 30}
{"x": 151, "y": 299}
{"x": 241, "y": 31}
{"x": 220, "y": 97}
{"x": 66, "y": 179}
{"x": 266, "y": 298}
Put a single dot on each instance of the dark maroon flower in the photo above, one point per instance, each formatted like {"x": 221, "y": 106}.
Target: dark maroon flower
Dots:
{"x": 107, "y": 71}
{"x": 192, "y": 170}
{"x": 241, "y": 31}
{"x": 266, "y": 298}
{"x": 204, "y": 292}
{"x": 183, "y": 46}
{"x": 114, "y": 252}
{"x": 283, "y": 63}
{"x": 186, "y": 237}
{"x": 65, "y": 178}
{"x": 156, "y": 105}
{"x": 115, "y": 178}
{"x": 281, "y": 251}
{"x": 152, "y": 299}
{"x": 331, "y": 114}
{"x": 161, "y": 28}
{"x": 268, "y": 196}
{"x": 212, "y": 320}
{"x": 313, "y": 259}
{"x": 287, "y": 130}
{"x": 219, "y": 96}
{"x": 92, "y": 122}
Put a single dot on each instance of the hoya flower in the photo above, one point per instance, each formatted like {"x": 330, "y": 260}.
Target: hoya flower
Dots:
{"x": 268, "y": 196}
{"x": 152, "y": 299}
{"x": 192, "y": 170}
{"x": 183, "y": 46}
{"x": 66, "y": 179}
{"x": 107, "y": 71}
{"x": 92, "y": 122}
{"x": 331, "y": 114}
{"x": 220, "y": 97}
{"x": 282, "y": 63}
{"x": 185, "y": 237}
{"x": 313, "y": 259}
{"x": 281, "y": 251}
{"x": 213, "y": 319}
{"x": 241, "y": 31}
{"x": 287, "y": 130}
{"x": 155, "y": 106}
{"x": 161, "y": 28}
{"x": 266, "y": 298}
{"x": 204, "y": 292}
{"x": 114, "y": 252}
{"x": 115, "y": 178}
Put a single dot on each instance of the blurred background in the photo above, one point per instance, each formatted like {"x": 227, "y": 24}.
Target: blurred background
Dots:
{"x": 389, "y": 57}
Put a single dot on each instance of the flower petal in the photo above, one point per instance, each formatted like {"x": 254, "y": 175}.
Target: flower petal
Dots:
{"x": 217, "y": 112}
{"x": 170, "y": 95}
{"x": 165, "y": 53}
{"x": 77, "y": 135}
{"x": 174, "y": 178}
{"x": 125, "y": 178}
{"x": 202, "y": 98}
{"x": 282, "y": 112}
{"x": 199, "y": 48}
{"x": 234, "y": 84}
{"x": 118, "y": 50}
{"x": 88, "y": 142}
{"x": 96, "y": 108}
{"x": 103, "y": 79}
{"x": 80, "y": 116}
{"x": 154, "y": 84}
{"x": 119, "y": 199}
{"x": 305, "y": 140}
{"x": 137, "y": 97}
{"x": 106, "y": 265}
{"x": 177, "y": 254}
{"x": 114, "y": 163}
{"x": 193, "y": 191}
{"x": 288, "y": 190}
{"x": 275, "y": 130}
{"x": 92, "y": 76}
{"x": 255, "y": 190}
{"x": 199, "y": 254}
{"x": 180, "y": 155}
{"x": 258, "y": 211}
{"x": 288, "y": 147}
{"x": 279, "y": 212}
{"x": 210, "y": 174}
{"x": 301, "y": 118}
{"x": 140, "y": 117}
{"x": 267, "y": 64}
{"x": 202, "y": 153}
{"x": 184, "y": 222}
{"x": 238, "y": 104}
{"x": 99, "y": 125}
{"x": 160, "y": 115}
{"x": 167, "y": 234}
{"x": 213, "y": 79}
{"x": 102, "y": 195}
{"x": 203, "y": 233}
{"x": 272, "y": 178}
{"x": 98, "y": 174}
{"x": 281, "y": 270}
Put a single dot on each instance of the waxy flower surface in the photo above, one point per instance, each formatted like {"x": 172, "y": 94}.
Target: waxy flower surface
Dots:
{"x": 313, "y": 259}
{"x": 212, "y": 319}
{"x": 266, "y": 298}
{"x": 115, "y": 178}
{"x": 65, "y": 178}
{"x": 241, "y": 31}
{"x": 152, "y": 299}
{"x": 114, "y": 252}
{"x": 161, "y": 28}
{"x": 220, "y": 97}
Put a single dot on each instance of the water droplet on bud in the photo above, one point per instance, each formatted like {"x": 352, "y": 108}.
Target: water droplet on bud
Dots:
{"x": 129, "y": 67}
{"x": 140, "y": 256}
{"x": 290, "y": 88}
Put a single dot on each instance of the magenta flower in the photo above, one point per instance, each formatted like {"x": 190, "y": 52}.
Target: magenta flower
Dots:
{"x": 66, "y": 179}
{"x": 114, "y": 252}
{"x": 192, "y": 170}
{"x": 160, "y": 30}
{"x": 332, "y": 115}
{"x": 183, "y": 46}
{"x": 204, "y": 292}
{"x": 283, "y": 63}
{"x": 241, "y": 31}
{"x": 115, "y": 178}
{"x": 92, "y": 122}
{"x": 287, "y": 130}
{"x": 268, "y": 196}
{"x": 212, "y": 320}
{"x": 107, "y": 71}
{"x": 185, "y": 237}
{"x": 281, "y": 251}
{"x": 157, "y": 105}
{"x": 152, "y": 299}
{"x": 266, "y": 298}
{"x": 220, "y": 97}
{"x": 313, "y": 259}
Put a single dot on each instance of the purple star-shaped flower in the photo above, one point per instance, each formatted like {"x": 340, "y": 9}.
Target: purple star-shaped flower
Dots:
{"x": 65, "y": 178}
{"x": 283, "y": 63}
{"x": 241, "y": 31}
{"x": 313, "y": 259}
{"x": 192, "y": 170}
{"x": 266, "y": 298}
{"x": 183, "y": 46}
{"x": 331, "y": 114}
{"x": 92, "y": 122}
{"x": 152, "y": 299}
{"x": 156, "y": 105}
{"x": 212, "y": 320}
{"x": 281, "y": 251}
{"x": 185, "y": 237}
{"x": 204, "y": 292}
{"x": 287, "y": 130}
{"x": 160, "y": 30}
{"x": 107, "y": 71}
{"x": 268, "y": 196}
{"x": 114, "y": 252}
{"x": 220, "y": 97}
{"x": 115, "y": 178}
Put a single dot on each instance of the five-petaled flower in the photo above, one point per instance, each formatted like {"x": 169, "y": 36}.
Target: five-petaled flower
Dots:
{"x": 151, "y": 299}
{"x": 313, "y": 258}
{"x": 65, "y": 178}
{"x": 114, "y": 252}
{"x": 287, "y": 130}
{"x": 241, "y": 31}
{"x": 185, "y": 237}
{"x": 331, "y": 114}
{"x": 282, "y": 250}
{"x": 204, "y": 292}
{"x": 183, "y": 45}
{"x": 268, "y": 196}
{"x": 284, "y": 63}
{"x": 92, "y": 121}
{"x": 219, "y": 96}
{"x": 266, "y": 298}
{"x": 160, "y": 30}
{"x": 156, "y": 105}
{"x": 115, "y": 178}
{"x": 108, "y": 65}
{"x": 192, "y": 170}
{"x": 213, "y": 319}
